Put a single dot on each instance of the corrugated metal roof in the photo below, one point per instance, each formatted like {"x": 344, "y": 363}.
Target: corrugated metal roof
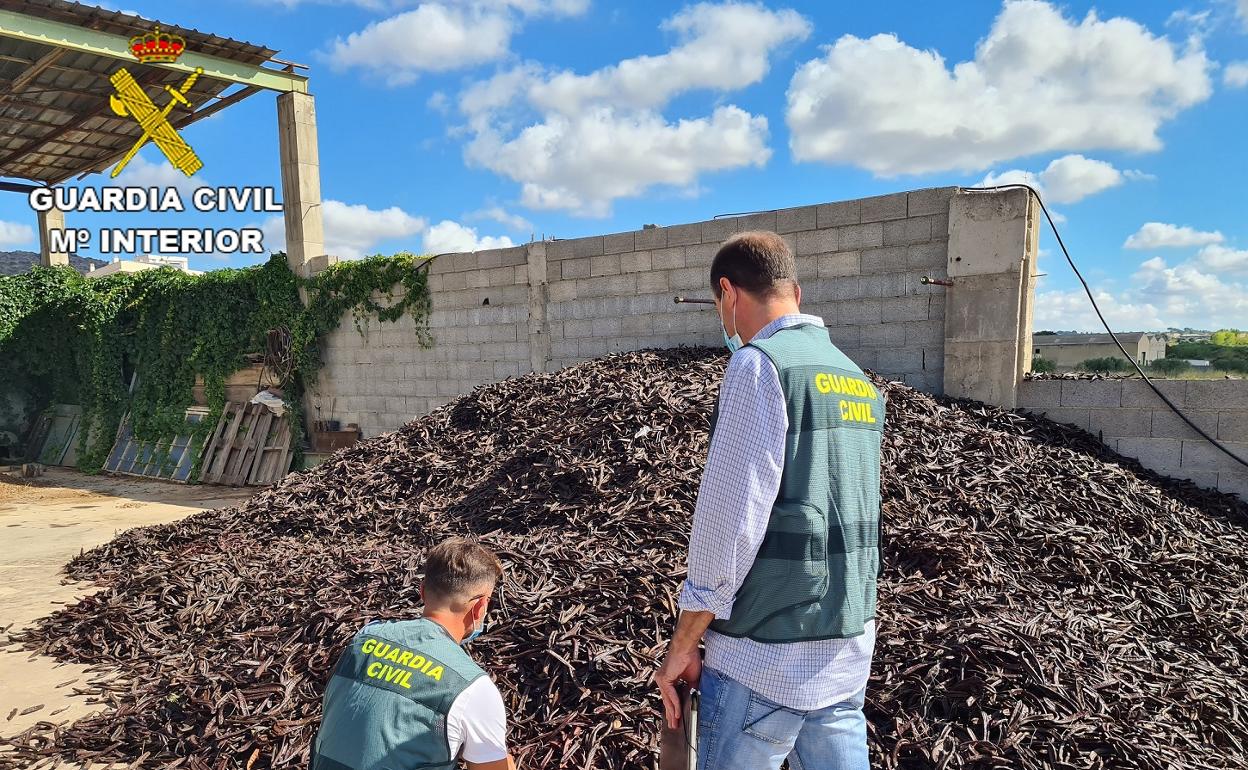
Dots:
{"x": 1045, "y": 340}
{"x": 120, "y": 23}
{"x": 55, "y": 121}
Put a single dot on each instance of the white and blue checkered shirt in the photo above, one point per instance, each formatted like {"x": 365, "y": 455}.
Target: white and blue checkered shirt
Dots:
{"x": 739, "y": 486}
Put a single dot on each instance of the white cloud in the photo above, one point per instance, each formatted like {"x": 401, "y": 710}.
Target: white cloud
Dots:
{"x": 725, "y": 47}
{"x": 513, "y": 222}
{"x": 1067, "y": 179}
{"x": 560, "y": 7}
{"x": 1224, "y": 260}
{"x": 1158, "y": 296}
{"x": 1073, "y": 177}
{"x": 370, "y": 4}
{"x": 1013, "y": 176}
{"x": 1235, "y": 75}
{"x": 1198, "y": 21}
{"x": 1188, "y": 291}
{"x": 447, "y": 236}
{"x": 439, "y": 102}
{"x": 1159, "y": 235}
{"x": 539, "y": 7}
{"x": 430, "y": 38}
{"x": 140, "y": 172}
{"x": 1070, "y": 310}
{"x": 440, "y": 36}
{"x": 578, "y": 142}
{"x": 16, "y": 234}
{"x": 583, "y": 162}
{"x": 274, "y": 230}
{"x": 351, "y": 230}
{"x": 1039, "y": 82}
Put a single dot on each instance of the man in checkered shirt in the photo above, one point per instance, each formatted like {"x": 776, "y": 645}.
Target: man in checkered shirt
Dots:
{"x": 784, "y": 553}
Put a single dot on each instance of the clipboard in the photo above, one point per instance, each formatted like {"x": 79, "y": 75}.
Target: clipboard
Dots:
{"x": 678, "y": 749}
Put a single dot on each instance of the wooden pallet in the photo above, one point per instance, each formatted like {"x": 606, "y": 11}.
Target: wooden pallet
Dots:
{"x": 273, "y": 459}
{"x": 250, "y": 445}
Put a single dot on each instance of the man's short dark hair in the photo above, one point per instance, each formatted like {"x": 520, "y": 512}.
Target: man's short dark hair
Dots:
{"x": 457, "y": 569}
{"x": 759, "y": 262}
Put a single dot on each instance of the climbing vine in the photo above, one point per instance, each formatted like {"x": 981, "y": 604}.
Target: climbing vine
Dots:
{"x": 136, "y": 342}
{"x": 357, "y": 287}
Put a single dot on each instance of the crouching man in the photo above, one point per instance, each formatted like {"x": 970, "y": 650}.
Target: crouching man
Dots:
{"x": 405, "y": 694}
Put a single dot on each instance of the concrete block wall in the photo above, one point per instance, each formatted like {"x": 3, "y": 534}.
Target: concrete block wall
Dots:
{"x": 1128, "y": 417}
{"x": 860, "y": 264}
{"x": 480, "y": 325}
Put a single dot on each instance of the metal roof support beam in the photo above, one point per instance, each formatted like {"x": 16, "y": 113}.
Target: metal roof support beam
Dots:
{"x": 61, "y": 35}
{"x": 18, "y": 187}
{"x": 179, "y": 123}
{"x": 102, "y": 108}
{"x": 18, "y": 101}
{"x": 20, "y": 82}
{"x": 24, "y": 122}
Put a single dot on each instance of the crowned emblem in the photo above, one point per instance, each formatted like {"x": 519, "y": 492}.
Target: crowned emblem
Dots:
{"x": 156, "y": 46}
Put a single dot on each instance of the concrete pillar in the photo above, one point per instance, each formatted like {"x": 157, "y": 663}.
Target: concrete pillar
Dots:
{"x": 301, "y": 184}
{"x": 539, "y": 329}
{"x": 993, "y": 239}
{"x": 52, "y": 219}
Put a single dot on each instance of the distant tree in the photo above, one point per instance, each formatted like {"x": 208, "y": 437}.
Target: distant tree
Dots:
{"x": 1042, "y": 365}
{"x": 1193, "y": 350}
{"x": 1169, "y": 366}
{"x": 1225, "y": 357}
{"x": 1045, "y": 332}
{"x": 1107, "y": 365}
{"x": 1231, "y": 338}
{"x": 1231, "y": 362}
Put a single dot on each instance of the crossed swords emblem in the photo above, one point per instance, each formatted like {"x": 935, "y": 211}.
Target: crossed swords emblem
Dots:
{"x": 132, "y": 100}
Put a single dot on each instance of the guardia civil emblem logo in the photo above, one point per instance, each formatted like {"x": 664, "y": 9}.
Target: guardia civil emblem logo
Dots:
{"x": 131, "y": 100}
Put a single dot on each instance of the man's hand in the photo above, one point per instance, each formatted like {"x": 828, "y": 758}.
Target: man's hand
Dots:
{"x": 683, "y": 662}
{"x": 678, "y": 666}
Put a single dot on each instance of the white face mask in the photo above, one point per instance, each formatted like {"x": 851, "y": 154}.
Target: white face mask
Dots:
{"x": 733, "y": 342}
{"x": 477, "y": 630}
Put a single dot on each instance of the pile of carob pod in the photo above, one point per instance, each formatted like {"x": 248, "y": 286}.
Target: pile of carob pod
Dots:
{"x": 1045, "y": 602}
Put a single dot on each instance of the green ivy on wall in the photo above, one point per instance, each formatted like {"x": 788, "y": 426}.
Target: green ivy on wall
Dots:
{"x": 65, "y": 338}
{"x": 357, "y": 287}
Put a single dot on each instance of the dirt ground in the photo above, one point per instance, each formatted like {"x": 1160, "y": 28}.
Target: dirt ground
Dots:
{"x": 44, "y": 522}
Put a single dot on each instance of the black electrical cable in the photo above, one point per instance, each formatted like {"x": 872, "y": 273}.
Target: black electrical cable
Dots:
{"x": 1105, "y": 323}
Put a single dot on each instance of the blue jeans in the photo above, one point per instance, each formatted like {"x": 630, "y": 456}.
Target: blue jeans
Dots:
{"x": 740, "y": 730}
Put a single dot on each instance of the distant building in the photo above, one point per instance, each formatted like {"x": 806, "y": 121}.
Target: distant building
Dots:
{"x": 1176, "y": 337}
{"x": 140, "y": 263}
{"x": 1070, "y": 350}
{"x": 18, "y": 262}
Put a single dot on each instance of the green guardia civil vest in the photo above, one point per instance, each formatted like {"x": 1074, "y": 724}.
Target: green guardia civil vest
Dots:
{"x": 386, "y": 704}
{"x": 815, "y": 573}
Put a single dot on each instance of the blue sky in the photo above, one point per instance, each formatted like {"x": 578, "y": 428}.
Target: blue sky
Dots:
{"x": 456, "y": 124}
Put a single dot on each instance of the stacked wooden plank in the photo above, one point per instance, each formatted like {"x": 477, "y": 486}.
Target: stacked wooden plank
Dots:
{"x": 250, "y": 446}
